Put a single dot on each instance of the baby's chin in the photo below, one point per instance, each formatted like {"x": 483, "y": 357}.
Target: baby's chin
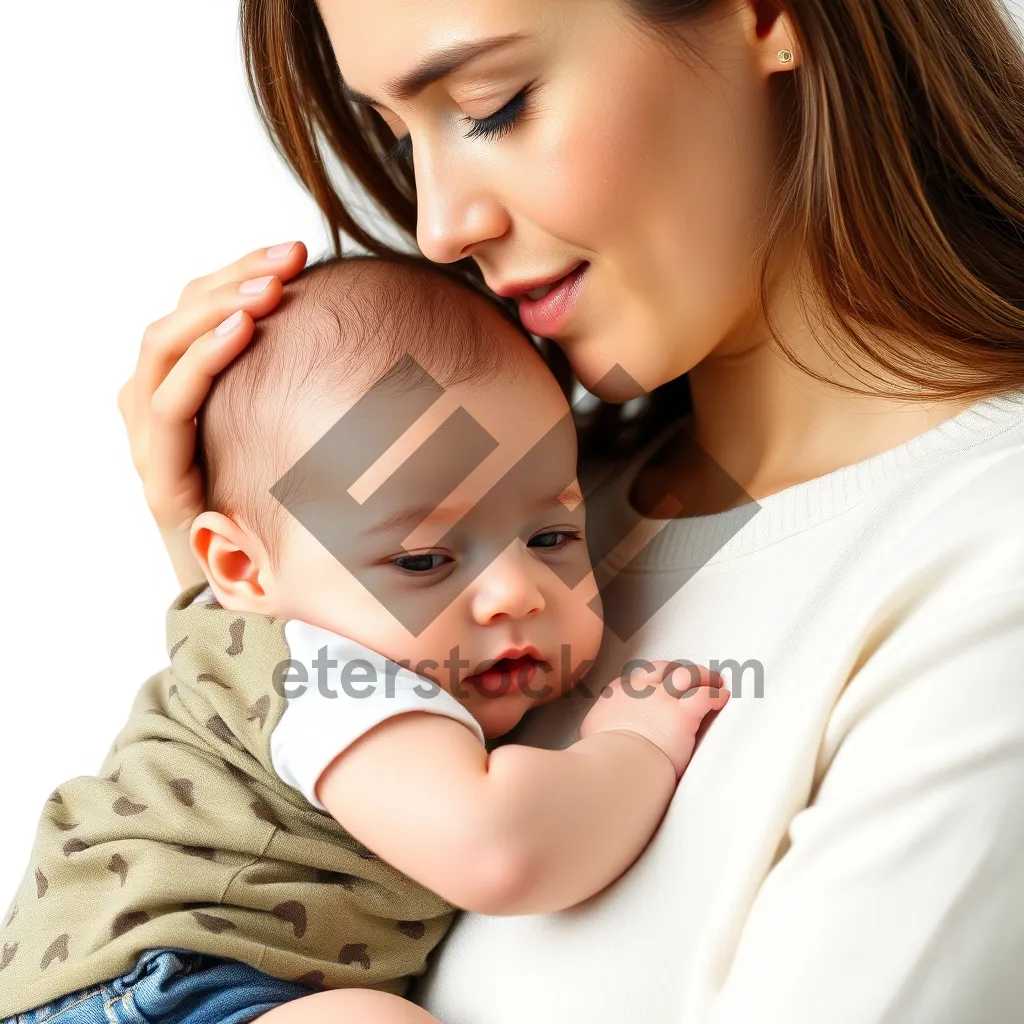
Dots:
{"x": 500, "y": 715}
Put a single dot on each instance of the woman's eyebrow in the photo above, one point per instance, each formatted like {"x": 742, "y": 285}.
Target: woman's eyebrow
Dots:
{"x": 433, "y": 67}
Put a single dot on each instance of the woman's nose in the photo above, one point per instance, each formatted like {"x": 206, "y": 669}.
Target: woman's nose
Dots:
{"x": 455, "y": 213}
{"x": 507, "y": 589}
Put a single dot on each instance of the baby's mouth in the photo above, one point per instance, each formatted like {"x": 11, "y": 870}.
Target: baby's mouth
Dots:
{"x": 507, "y": 675}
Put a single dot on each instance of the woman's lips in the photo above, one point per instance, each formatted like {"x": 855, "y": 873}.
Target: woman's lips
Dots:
{"x": 509, "y": 675}
{"x": 546, "y": 316}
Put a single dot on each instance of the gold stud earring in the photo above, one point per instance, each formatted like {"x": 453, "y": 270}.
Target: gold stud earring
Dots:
{"x": 785, "y": 56}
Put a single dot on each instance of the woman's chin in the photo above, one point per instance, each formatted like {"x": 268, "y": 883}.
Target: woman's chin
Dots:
{"x": 598, "y": 370}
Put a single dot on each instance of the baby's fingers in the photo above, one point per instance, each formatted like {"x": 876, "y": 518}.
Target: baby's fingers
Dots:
{"x": 699, "y": 701}
{"x": 678, "y": 676}
{"x": 696, "y": 686}
{"x": 707, "y": 698}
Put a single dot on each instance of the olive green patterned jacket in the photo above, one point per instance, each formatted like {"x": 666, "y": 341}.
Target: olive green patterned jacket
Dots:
{"x": 187, "y": 839}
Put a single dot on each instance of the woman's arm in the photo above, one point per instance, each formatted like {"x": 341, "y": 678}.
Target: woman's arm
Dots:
{"x": 901, "y": 895}
{"x": 180, "y": 355}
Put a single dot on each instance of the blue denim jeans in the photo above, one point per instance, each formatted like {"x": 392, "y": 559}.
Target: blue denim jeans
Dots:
{"x": 172, "y": 987}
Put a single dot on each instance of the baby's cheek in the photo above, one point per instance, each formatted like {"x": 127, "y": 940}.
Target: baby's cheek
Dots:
{"x": 591, "y": 634}
{"x": 580, "y": 632}
{"x": 589, "y": 615}
{"x": 387, "y": 634}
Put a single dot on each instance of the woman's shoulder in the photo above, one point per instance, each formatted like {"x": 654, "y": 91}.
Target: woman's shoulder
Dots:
{"x": 944, "y": 549}
{"x": 972, "y": 496}
{"x": 961, "y": 482}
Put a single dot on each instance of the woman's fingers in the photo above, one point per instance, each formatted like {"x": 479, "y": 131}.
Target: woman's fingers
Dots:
{"x": 180, "y": 355}
{"x": 283, "y": 261}
{"x": 252, "y": 284}
{"x": 175, "y": 402}
{"x": 124, "y": 399}
{"x": 168, "y": 339}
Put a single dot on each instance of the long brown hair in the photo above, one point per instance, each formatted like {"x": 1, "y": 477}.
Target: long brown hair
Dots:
{"x": 903, "y": 180}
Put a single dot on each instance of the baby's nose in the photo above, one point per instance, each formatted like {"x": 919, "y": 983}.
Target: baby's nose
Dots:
{"x": 506, "y": 590}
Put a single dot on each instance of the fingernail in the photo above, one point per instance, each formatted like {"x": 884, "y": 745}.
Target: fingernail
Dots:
{"x": 280, "y": 252}
{"x": 256, "y": 286}
{"x": 230, "y": 324}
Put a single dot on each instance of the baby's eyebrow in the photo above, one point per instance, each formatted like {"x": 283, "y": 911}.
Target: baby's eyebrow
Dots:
{"x": 414, "y": 515}
{"x": 568, "y": 498}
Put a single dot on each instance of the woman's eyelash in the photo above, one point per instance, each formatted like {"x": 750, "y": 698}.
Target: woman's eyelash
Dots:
{"x": 400, "y": 151}
{"x": 496, "y": 126}
{"x": 503, "y": 121}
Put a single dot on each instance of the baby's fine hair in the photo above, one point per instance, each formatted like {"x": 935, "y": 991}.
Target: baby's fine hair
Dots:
{"x": 342, "y": 325}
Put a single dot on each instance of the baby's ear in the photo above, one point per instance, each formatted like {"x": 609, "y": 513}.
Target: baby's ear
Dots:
{"x": 231, "y": 560}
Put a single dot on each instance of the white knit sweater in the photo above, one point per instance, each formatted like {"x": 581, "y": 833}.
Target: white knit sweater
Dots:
{"x": 848, "y": 847}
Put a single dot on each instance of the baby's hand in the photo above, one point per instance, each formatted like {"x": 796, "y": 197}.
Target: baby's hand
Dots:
{"x": 664, "y": 705}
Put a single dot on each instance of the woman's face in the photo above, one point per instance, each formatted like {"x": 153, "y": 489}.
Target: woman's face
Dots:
{"x": 561, "y": 137}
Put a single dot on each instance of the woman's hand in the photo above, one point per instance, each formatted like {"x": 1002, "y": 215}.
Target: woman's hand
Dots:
{"x": 180, "y": 355}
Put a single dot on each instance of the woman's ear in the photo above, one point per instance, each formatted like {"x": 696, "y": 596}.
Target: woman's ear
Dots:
{"x": 235, "y": 563}
{"x": 771, "y": 33}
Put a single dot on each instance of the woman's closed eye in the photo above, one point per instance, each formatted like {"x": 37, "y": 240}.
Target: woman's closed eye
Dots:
{"x": 502, "y": 121}
{"x": 495, "y": 126}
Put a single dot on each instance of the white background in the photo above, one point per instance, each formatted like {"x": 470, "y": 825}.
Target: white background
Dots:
{"x": 132, "y": 162}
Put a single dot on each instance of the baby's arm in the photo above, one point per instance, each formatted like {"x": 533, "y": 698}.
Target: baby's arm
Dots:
{"x": 522, "y": 830}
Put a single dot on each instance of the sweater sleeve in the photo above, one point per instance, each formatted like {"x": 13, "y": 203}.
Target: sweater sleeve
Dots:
{"x": 900, "y": 892}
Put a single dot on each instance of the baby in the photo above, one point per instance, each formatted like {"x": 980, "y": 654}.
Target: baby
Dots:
{"x": 396, "y": 573}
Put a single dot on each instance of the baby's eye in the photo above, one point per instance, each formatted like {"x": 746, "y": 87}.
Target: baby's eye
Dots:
{"x": 554, "y": 539}
{"x": 420, "y": 563}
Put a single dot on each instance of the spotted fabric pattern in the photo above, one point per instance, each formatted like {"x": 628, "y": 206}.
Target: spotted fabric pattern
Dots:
{"x": 185, "y": 838}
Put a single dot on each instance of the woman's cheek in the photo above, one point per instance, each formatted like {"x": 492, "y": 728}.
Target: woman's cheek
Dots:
{"x": 563, "y": 186}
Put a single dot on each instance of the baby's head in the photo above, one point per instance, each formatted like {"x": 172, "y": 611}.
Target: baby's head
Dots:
{"x": 392, "y": 460}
